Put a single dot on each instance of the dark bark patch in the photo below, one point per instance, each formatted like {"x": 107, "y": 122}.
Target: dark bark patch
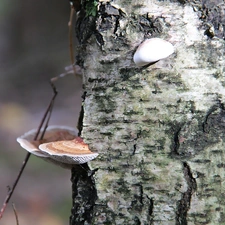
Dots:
{"x": 147, "y": 24}
{"x": 86, "y": 23}
{"x": 221, "y": 165}
{"x": 211, "y": 12}
{"x": 126, "y": 73}
{"x": 183, "y": 205}
{"x": 85, "y": 27}
{"x": 137, "y": 221}
{"x": 176, "y": 141}
{"x": 81, "y": 116}
{"x": 214, "y": 119}
{"x": 150, "y": 206}
{"x": 84, "y": 195}
{"x": 105, "y": 103}
{"x": 108, "y": 19}
{"x": 191, "y": 137}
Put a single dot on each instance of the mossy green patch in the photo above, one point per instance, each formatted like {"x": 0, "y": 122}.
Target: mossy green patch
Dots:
{"x": 91, "y": 7}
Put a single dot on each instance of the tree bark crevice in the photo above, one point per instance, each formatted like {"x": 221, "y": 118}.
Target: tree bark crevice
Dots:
{"x": 183, "y": 205}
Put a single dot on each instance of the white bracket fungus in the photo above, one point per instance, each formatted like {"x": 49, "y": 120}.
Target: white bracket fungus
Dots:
{"x": 152, "y": 50}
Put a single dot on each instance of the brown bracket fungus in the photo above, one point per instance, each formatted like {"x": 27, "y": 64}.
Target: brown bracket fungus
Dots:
{"x": 60, "y": 146}
{"x": 53, "y": 133}
{"x": 69, "y": 151}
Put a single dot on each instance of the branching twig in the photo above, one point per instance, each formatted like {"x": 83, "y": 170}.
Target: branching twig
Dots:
{"x": 69, "y": 70}
{"x": 48, "y": 110}
{"x": 75, "y": 69}
{"x": 47, "y": 113}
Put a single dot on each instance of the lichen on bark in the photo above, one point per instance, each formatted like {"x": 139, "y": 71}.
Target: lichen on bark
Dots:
{"x": 159, "y": 129}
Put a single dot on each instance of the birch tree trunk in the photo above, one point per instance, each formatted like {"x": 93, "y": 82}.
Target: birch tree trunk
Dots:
{"x": 159, "y": 130}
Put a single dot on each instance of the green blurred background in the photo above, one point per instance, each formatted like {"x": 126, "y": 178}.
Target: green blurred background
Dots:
{"x": 34, "y": 48}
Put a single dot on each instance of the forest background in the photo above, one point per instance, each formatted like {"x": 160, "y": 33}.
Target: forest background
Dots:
{"x": 33, "y": 48}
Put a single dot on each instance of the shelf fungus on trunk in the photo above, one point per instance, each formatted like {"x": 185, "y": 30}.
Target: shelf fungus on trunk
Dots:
{"x": 60, "y": 145}
{"x": 152, "y": 50}
{"x": 69, "y": 151}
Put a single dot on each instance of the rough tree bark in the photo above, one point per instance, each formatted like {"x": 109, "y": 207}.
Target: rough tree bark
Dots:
{"x": 159, "y": 130}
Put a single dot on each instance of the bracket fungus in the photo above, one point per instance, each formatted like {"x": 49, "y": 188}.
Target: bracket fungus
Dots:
{"x": 53, "y": 133}
{"x": 152, "y": 50}
{"x": 69, "y": 151}
{"x": 60, "y": 145}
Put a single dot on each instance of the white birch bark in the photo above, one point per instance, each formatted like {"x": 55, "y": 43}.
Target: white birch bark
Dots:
{"x": 159, "y": 130}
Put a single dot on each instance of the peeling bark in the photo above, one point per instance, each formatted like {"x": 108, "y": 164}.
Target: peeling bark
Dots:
{"x": 159, "y": 129}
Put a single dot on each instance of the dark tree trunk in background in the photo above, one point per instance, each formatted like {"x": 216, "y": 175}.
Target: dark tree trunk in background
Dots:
{"x": 159, "y": 130}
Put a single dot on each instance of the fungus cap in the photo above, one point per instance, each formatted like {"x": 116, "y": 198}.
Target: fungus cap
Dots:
{"x": 69, "y": 151}
{"x": 52, "y": 133}
{"x": 152, "y": 50}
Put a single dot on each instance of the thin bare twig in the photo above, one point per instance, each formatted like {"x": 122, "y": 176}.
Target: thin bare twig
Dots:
{"x": 47, "y": 112}
{"x": 16, "y": 215}
{"x": 70, "y": 25}
{"x": 69, "y": 70}
{"x": 73, "y": 69}
{"x": 14, "y": 185}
